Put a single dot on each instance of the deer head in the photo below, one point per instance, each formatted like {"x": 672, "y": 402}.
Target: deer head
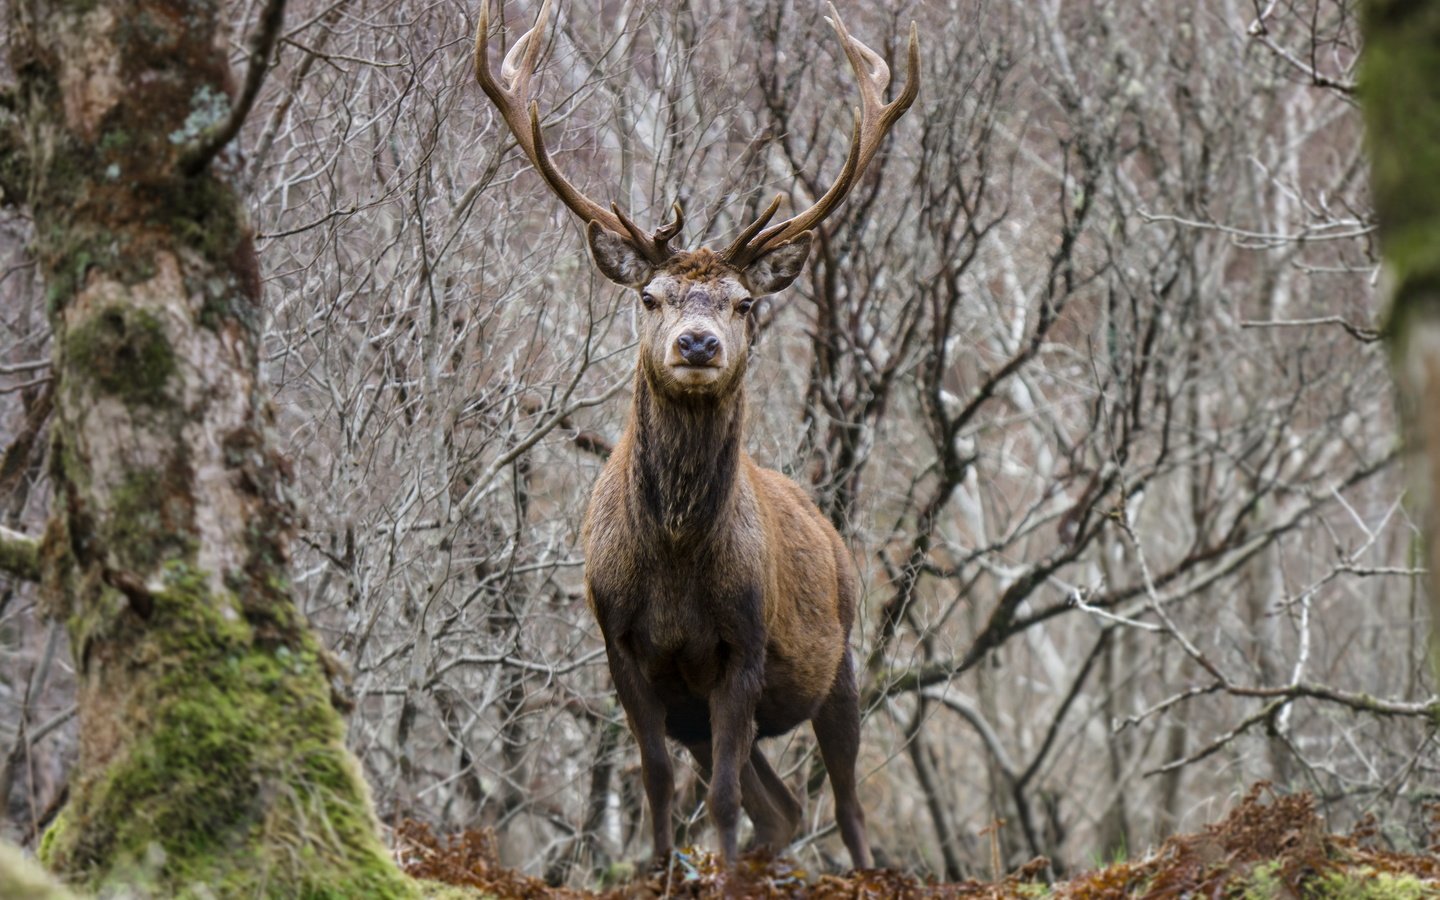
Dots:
{"x": 697, "y": 318}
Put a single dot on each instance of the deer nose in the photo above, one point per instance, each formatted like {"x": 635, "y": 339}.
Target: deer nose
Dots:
{"x": 697, "y": 347}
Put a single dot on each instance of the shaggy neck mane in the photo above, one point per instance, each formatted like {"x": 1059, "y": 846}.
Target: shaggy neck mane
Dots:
{"x": 685, "y": 459}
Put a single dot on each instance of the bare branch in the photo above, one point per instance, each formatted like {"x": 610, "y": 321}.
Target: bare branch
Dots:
{"x": 1360, "y": 333}
{"x": 207, "y": 145}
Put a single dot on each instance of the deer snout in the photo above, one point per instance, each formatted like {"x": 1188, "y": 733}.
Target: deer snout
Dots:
{"x": 697, "y": 348}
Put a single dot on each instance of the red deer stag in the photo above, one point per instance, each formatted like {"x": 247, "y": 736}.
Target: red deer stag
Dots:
{"x": 725, "y": 598}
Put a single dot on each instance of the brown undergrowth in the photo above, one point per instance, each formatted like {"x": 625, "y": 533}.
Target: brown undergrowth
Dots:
{"x": 1271, "y": 845}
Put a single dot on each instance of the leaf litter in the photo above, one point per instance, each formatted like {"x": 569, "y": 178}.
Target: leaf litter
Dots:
{"x": 1271, "y": 845}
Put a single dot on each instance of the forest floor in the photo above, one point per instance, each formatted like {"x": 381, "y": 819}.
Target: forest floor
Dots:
{"x": 1269, "y": 846}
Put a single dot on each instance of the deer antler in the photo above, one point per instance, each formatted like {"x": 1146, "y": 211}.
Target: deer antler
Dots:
{"x": 518, "y": 69}
{"x": 873, "y": 121}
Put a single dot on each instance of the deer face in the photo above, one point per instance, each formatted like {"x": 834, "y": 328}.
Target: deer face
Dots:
{"x": 697, "y": 302}
{"x": 696, "y": 321}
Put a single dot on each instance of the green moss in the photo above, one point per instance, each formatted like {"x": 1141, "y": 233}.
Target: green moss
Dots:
{"x": 1265, "y": 883}
{"x": 94, "y": 619}
{"x": 149, "y": 521}
{"x": 207, "y": 216}
{"x": 124, "y": 352}
{"x": 616, "y": 873}
{"x": 114, "y": 140}
{"x": 64, "y": 278}
{"x": 237, "y": 781}
{"x": 55, "y": 836}
{"x": 1367, "y": 884}
{"x": 149, "y": 30}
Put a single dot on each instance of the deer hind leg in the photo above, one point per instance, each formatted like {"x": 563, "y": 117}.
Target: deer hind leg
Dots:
{"x": 771, "y": 806}
{"x": 837, "y": 729}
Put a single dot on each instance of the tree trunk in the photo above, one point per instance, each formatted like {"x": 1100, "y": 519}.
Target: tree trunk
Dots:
{"x": 1402, "y": 111}
{"x": 210, "y": 752}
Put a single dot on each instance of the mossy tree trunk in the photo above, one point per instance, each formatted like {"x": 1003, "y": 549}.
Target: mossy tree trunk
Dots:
{"x": 1400, "y": 87}
{"x": 210, "y": 754}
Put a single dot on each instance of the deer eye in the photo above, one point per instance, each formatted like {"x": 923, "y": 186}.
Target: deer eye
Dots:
{"x": 648, "y": 299}
{"x": 743, "y": 307}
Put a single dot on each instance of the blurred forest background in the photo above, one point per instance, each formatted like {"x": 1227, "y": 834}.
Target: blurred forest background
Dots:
{"x": 1085, "y": 371}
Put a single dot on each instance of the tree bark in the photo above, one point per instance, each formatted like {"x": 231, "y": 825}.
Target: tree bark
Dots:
{"x": 210, "y": 753}
{"x": 1401, "y": 69}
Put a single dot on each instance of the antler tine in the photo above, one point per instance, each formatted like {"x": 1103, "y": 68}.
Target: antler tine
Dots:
{"x": 522, "y": 114}
{"x": 655, "y": 246}
{"x": 672, "y": 228}
{"x": 669, "y": 231}
{"x": 631, "y": 229}
{"x": 518, "y": 66}
{"x": 754, "y": 228}
{"x": 873, "y": 121}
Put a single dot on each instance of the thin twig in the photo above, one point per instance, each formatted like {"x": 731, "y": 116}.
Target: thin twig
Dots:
{"x": 1253, "y": 240}
{"x": 1260, "y": 31}
{"x": 24, "y": 386}
{"x": 1359, "y": 332}
{"x": 1219, "y": 743}
{"x": 518, "y": 663}
{"x": 18, "y": 368}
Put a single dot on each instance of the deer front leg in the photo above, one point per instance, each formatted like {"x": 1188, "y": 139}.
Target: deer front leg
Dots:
{"x": 732, "y": 733}
{"x": 646, "y": 715}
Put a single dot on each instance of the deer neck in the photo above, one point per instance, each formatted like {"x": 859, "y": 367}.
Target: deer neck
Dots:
{"x": 685, "y": 460}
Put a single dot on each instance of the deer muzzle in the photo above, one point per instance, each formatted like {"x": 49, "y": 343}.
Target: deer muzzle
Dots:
{"x": 697, "y": 348}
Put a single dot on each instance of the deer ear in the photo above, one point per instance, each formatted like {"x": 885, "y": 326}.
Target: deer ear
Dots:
{"x": 775, "y": 269}
{"x": 617, "y": 258}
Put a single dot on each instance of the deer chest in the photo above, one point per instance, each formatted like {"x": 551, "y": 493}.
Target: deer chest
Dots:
{"x": 681, "y": 623}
